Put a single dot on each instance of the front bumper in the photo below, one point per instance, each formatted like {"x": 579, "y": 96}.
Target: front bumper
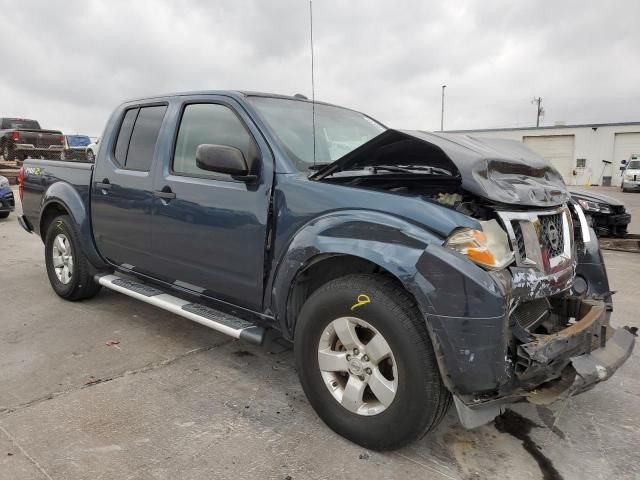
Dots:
{"x": 554, "y": 367}
{"x": 630, "y": 184}
{"x": 7, "y": 200}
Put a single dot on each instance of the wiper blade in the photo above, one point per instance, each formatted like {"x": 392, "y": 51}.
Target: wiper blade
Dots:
{"x": 411, "y": 169}
{"x": 318, "y": 165}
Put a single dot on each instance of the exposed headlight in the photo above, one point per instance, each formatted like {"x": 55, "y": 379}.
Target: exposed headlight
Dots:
{"x": 629, "y": 176}
{"x": 594, "y": 207}
{"x": 4, "y": 182}
{"x": 488, "y": 247}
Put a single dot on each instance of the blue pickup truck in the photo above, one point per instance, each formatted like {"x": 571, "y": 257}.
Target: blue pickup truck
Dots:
{"x": 409, "y": 269}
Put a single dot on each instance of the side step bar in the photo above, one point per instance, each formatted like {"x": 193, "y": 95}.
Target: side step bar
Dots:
{"x": 219, "y": 321}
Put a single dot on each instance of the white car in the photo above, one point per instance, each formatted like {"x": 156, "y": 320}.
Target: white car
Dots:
{"x": 631, "y": 174}
{"x": 92, "y": 150}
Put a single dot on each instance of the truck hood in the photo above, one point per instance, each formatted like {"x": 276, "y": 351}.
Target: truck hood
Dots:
{"x": 503, "y": 171}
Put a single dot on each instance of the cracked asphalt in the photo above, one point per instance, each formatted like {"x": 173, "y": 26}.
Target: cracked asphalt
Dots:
{"x": 113, "y": 388}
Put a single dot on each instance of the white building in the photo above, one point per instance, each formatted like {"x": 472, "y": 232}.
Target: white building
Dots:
{"x": 577, "y": 151}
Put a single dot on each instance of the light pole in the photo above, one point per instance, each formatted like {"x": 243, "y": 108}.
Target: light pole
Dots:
{"x": 442, "y": 112}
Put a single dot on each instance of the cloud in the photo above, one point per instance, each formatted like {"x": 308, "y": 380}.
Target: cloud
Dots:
{"x": 69, "y": 64}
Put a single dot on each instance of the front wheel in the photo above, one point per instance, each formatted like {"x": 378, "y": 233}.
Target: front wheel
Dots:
{"x": 366, "y": 362}
{"x": 68, "y": 269}
{"x": 4, "y": 214}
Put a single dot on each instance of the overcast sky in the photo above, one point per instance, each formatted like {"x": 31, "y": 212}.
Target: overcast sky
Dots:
{"x": 68, "y": 64}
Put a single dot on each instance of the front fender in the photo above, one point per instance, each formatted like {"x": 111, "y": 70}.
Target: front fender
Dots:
{"x": 74, "y": 200}
{"x": 385, "y": 240}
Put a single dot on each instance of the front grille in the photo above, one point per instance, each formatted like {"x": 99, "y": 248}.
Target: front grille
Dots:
{"x": 552, "y": 234}
{"x": 618, "y": 209}
{"x": 519, "y": 243}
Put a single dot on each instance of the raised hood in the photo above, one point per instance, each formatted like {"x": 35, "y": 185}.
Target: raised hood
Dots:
{"x": 503, "y": 171}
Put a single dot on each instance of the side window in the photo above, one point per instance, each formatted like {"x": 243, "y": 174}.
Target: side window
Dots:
{"x": 122, "y": 144}
{"x": 213, "y": 124}
{"x": 144, "y": 137}
{"x": 137, "y": 138}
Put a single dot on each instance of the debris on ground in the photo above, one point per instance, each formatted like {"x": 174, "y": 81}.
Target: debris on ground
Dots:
{"x": 113, "y": 343}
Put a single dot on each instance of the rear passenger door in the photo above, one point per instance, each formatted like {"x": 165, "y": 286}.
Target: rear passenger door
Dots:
{"x": 122, "y": 193}
{"x": 210, "y": 229}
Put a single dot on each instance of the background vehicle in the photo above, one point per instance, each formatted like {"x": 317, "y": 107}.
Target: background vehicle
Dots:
{"x": 408, "y": 268}
{"x": 609, "y": 216}
{"x": 75, "y": 147}
{"x": 631, "y": 174}
{"x": 21, "y": 138}
{"x": 7, "y": 202}
{"x": 92, "y": 151}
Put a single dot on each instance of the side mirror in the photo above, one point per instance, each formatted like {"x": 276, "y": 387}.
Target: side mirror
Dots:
{"x": 223, "y": 159}
{"x": 623, "y": 167}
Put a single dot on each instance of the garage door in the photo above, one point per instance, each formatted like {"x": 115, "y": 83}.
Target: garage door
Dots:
{"x": 558, "y": 149}
{"x": 624, "y": 145}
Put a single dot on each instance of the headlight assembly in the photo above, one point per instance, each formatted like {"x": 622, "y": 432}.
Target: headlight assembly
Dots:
{"x": 4, "y": 182}
{"x": 594, "y": 207}
{"x": 488, "y": 247}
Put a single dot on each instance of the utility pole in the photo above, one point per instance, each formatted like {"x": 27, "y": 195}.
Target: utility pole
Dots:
{"x": 540, "y": 111}
{"x": 442, "y": 112}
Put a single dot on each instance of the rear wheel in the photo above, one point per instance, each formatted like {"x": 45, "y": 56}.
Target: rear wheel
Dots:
{"x": 366, "y": 362}
{"x": 69, "y": 271}
{"x": 8, "y": 153}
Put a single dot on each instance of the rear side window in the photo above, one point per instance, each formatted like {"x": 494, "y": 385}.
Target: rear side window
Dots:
{"x": 209, "y": 123}
{"x": 138, "y": 135}
{"x": 122, "y": 144}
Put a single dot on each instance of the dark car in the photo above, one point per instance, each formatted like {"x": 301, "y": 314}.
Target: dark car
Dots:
{"x": 7, "y": 202}
{"x": 408, "y": 269}
{"x": 21, "y": 138}
{"x": 75, "y": 147}
{"x": 609, "y": 216}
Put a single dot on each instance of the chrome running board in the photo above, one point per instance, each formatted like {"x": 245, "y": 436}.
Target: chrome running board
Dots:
{"x": 221, "y": 322}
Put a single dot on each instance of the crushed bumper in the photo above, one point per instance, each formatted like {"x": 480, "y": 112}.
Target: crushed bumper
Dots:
{"x": 554, "y": 367}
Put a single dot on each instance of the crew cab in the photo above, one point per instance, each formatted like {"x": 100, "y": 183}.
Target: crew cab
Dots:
{"x": 407, "y": 268}
{"x": 21, "y": 138}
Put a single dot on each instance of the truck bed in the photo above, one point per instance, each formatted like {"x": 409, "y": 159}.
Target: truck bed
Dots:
{"x": 39, "y": 175}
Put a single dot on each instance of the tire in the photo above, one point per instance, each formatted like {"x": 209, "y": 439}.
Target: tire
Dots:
{"x": 420, "y": 399}
{"x": 79, "y": 283}
{"x": 91, "y": 158}
{"x": 4, "y": 214}
{"x": 8, "y": 153}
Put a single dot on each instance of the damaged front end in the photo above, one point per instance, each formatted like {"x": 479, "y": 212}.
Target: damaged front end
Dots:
{"x": 518, "y": 308}
{"x": 560, "y": 342}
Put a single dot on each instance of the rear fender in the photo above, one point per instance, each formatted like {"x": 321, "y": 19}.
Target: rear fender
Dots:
{"x": 65, "y": 196}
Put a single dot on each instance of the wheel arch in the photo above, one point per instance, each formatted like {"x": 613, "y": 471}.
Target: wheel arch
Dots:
{"x": 63, "y": 199}
{"x": 344, "y": 243}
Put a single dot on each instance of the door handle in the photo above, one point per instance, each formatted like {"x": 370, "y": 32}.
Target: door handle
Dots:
{"x": 165, "y": 194}
{"x": 104, "y": 184}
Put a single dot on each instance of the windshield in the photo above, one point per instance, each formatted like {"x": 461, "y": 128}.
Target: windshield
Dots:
{"x": 633, "y": 165}
{"x": 78, "y": 140}
{"x": 8, "y": 123}
{"x": 338, "y": 130}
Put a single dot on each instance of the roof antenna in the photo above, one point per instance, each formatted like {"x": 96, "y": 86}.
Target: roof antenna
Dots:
{"x": 313, "y": 87}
